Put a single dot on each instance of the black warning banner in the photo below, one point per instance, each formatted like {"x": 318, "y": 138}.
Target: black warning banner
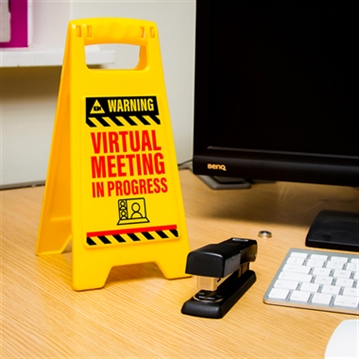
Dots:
{"x": 122, "y": 106}
{"x": 122, "y": 111}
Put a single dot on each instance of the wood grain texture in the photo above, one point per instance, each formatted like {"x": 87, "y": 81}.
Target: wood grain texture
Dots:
{"x": 137, "y": 314}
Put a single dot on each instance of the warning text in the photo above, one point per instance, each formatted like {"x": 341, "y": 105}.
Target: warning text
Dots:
{"x": 118, "y": 156}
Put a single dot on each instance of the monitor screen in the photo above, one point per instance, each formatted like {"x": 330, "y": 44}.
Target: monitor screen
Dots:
{"x": 276, "y": 91}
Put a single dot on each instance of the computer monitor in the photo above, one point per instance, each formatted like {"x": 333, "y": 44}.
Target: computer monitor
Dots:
{"x": 276, "y": 91}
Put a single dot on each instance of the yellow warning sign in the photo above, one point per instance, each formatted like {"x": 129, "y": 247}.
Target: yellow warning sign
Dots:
{"x": 112, "y": 184}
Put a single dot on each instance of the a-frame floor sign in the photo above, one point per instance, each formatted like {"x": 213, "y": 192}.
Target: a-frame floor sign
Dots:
{"x": 112, "y": 185}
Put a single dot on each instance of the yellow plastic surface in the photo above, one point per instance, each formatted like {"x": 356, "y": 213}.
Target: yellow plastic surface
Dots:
{"x": 112, "y": 184}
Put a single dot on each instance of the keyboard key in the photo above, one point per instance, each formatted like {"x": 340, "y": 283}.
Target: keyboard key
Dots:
{"x": 351, "y": 292}
{"x": 339, "y": 259}
{"x": 354, "y": 267}
{"x": 315, "y": 263}
{"x": 295, "y": 260}
{"x": 321, "y": 298}
{"x": 331, "y": 289}
{"x": 287, "y": 284}
{"x": 295, "y": 276}
{"x": 297, "y": 269}
{"x": 299, "y": 254}
{"x": 320, "y": 279}
{"x": 341, "y": 273}
{"x": 335, "y": 265}
{"x": 299, "y": 296}
{"x": 309, "y": 287}
{"x": 345, "y": 301}
{"x": 321, "y": 257}
{"x": 278, "y": 293}
{"x": 322, "y": 271}
{"x": 343, "y": 282}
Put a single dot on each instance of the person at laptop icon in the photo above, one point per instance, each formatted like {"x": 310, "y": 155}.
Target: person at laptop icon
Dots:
{"x": 132, "y": 211}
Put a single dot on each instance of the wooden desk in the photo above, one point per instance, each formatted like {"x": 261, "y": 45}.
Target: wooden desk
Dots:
{"x": 137, "y": 314}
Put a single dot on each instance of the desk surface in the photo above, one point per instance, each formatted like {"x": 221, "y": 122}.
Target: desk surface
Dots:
{"x": 137, "y": 313}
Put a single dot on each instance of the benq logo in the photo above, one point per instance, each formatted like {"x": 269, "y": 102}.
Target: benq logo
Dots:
{"x": 212, "y": 166}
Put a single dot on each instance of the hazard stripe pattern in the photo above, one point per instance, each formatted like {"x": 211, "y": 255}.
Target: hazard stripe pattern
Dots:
{"x": 120, "y": 121}
{"x": 107, "y": 238}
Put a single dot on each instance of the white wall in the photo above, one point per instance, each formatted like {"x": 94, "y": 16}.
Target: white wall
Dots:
{"x": 28, "y": 95}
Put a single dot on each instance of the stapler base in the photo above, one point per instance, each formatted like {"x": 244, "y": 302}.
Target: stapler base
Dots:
{"x": 217, "y": 303}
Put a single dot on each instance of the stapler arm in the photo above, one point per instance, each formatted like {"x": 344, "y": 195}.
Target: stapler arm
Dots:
{"x": 223, "y": 276}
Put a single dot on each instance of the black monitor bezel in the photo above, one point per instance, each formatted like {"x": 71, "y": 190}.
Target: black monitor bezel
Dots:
{"x": 254, "y": 164}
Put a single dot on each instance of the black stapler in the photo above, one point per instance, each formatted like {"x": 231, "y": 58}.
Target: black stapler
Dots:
{"x": 223, "y": 276}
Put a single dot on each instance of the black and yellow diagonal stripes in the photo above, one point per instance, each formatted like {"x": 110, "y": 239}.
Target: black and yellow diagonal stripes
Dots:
{"x": 108, "y": 238}
{"x": 122, "y": 121}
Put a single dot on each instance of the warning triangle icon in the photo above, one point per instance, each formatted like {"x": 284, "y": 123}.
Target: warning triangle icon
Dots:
{"x": 97, "y": 108}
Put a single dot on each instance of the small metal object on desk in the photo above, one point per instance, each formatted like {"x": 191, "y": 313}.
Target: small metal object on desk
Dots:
{"x": 265, "y": 234}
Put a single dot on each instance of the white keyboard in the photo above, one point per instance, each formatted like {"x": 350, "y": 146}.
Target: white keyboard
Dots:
{"x": 317, "y": 280}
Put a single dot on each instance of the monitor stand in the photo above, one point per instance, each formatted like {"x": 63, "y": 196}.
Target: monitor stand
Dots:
{"x": 225, "y": 182}
{"x": 335, "y": 230}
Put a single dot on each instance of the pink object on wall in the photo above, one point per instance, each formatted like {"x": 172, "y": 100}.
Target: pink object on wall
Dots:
{"x": 18, "y": 24}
